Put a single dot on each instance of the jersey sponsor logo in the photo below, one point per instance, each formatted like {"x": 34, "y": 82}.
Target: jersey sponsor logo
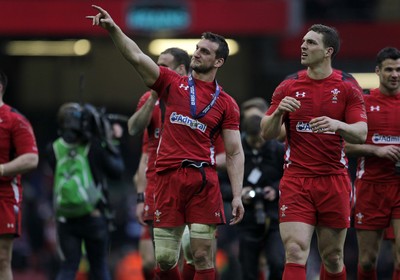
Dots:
{"x": 305, "y": 127}
{"x": 385, "y": 139}
{"x": 184, "y": 87}
{"x": 335, "y": 92}
{"x": 157, "y": 133}
{"x": 185, "y": 120}
{"x": 300, "y": 94}
{"x": 375, "y": 108}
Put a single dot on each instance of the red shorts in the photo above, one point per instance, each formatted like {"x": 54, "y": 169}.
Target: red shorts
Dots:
{"x": 318, "y": 201}
{"x": 148, "y": 209}
{"x": 10, "y": 213}
{"x": 146, "y": 234}
{"x": 388, "y": 234}
{"x": 376, "y": 205}
{"x": 180, "y": 198}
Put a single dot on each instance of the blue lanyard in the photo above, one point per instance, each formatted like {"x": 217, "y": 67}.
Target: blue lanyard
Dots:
{"x": 193, "y": 99}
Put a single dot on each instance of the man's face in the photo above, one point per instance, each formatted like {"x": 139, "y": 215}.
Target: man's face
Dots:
{"x": 167, "y": 60}
{"x": 204, "y": 58}
{"x": 389, "y": 75}
{"x": 313, "y": 50}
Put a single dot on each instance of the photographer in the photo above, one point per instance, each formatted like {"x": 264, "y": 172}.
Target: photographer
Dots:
{"x": 83, "y": 157}
{"x": 259, "y": 230}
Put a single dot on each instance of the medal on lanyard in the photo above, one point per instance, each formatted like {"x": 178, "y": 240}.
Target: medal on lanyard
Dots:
{"x": 192, "y": 91}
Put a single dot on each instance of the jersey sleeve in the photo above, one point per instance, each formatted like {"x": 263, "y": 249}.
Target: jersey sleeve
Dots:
{"x": 277, "y": 96}
{"x": 355, "y": 111}
{"x": 167, "y": 76}
{"x": 23, "y": 137}
{"x": 143, "y": 100}
{"x": 232, "y": 115}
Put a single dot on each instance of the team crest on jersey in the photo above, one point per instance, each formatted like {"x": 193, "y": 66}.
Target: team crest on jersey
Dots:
{"x": 385, "y": 139}
{"x": 359, "y": 218}
{"x": 335, "y": 93}
{"x": 185, "y": 120}
{"x": 157, "y": 215}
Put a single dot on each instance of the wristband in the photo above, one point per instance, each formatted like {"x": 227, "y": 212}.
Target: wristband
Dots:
{"x": 1, "y": 169}
{"x": 140, "y": 197}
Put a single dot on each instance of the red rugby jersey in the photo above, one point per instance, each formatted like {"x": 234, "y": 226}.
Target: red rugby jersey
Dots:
{"x": 339, "y": 97}
{"x": 16, "y": 138}
{"x": 179, "y": 141}
{"x": 383, "y": 114}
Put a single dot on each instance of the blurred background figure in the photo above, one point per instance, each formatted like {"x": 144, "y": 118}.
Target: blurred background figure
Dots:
{"x": 83, "y": 157}
{"x": 259, "y": 231}
{"x": 18, "y": 155}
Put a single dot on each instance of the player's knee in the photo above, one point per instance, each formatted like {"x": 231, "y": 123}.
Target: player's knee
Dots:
{"x": 333, "y": 260}
{"x": 187, "y": 250}
{"x": 167, "y": 248}
{"x": 202, "y": 231}
{"x": 202, "y": 252}
{"x": 295, "y": 253}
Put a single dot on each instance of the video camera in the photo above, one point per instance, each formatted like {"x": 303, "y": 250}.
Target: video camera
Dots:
{"x": 87, "y": 121}
{"x": 257, "y": 197}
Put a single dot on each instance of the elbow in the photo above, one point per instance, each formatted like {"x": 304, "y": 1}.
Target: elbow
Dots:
{"x": 32, "y": 162}
{"x": 363, "y": 134}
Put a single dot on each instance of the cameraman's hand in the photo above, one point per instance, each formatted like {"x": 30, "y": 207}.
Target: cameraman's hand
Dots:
{"x": 269, "y": 193}
{"x": 117, "y": 130}
{"x": 246, "y": 198}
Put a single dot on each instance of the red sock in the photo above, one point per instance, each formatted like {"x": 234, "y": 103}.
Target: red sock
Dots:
{"x": 206, "y": 274}
{"x": 366, "y": 275}
{"x": 337, "y": 276}
{"x": 172, "y": 274}
{"x": 396, "y": 274}
{"x": 294, "y": 271}
{"x": 188, "y": 271}
{"x": 322, "y": 272}
{"x": 149, "y": 274}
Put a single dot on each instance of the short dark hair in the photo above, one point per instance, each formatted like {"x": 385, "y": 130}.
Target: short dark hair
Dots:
{"x": 255, "y": 102}
{"x": 3, "y": 80}
{"x": 330, "y": 36}
{"x": 180, "y": 57}
{"x": 223, "y": 49}
{"x": 387, "y": 53}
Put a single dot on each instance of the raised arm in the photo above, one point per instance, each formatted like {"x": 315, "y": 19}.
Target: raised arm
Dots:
{"x": 235, "y": 167}
{"x": 143, "y": 64}
{"x": 138, "y": 122}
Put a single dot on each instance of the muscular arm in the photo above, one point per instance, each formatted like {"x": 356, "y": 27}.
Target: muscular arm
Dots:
{"x": 389, "y": 152}
{"x": 235, "y": 167}
{"x": 355, "y": 133}
{"x": 138, "y": 122}
{"x": 21, "y": 164}
{"x": 271, "y": 125}
{"x": 143, "y": 64}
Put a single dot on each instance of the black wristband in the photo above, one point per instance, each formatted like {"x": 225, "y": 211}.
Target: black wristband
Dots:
{"x": 140, "y": 197}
